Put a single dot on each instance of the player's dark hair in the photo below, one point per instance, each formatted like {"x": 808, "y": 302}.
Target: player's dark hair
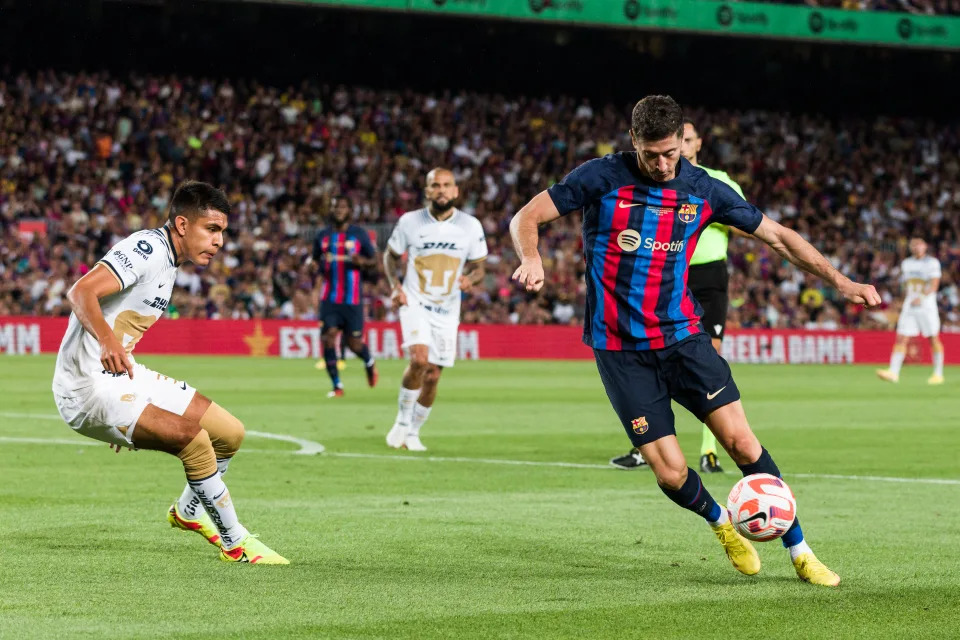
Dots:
{"x": 345, "y": 198}
{"x": 692, "y": 124}
{"x": 192, "y": 199}
{"x": 656, "y": 118}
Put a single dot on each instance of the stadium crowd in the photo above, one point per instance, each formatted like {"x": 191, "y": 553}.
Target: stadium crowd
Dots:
{"x": 921, "y": 7}
{"x": 88, "y": 158}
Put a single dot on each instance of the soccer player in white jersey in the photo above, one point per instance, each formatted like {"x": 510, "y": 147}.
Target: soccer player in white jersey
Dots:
{"x": 103, "y": 393}
{"x": 445, "y": 250}
{"x": 920, "y": 279}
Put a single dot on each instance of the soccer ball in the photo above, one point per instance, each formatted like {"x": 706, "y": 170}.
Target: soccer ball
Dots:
{"x": 761, "y": 507}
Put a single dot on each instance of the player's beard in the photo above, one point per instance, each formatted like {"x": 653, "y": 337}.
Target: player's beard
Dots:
{"x": 438, "y": 208}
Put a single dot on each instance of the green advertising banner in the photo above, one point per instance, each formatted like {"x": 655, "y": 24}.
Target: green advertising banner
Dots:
{"x": 704, "y": 16}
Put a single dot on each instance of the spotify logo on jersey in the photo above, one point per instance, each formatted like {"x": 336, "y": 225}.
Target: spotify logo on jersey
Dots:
{"x": 628, "y": 240}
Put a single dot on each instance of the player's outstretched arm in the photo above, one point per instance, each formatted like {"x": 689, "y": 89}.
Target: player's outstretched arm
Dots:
{"x": 391, "y": 264}
{"x": 524, "y": 229}
{"x": 789, "y": 244}
{"x": 84, "y": 298}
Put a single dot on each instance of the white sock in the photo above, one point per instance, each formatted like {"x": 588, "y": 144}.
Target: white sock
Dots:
{"x": 189, "y": 504}
{"x": 405, "y": 402}
{"x": 215, "y": 498}
{"x": 938, "y": 363}
{"x": 723, "y": 519}
{"x": 420, "y": 415}
{"x": 797, "y": 549}
{"x": 896, "y": 361}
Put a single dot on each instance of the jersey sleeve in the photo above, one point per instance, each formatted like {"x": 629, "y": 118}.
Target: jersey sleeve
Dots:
{"x": 729, "y": 207}
{"x": 398, "y": 241}
{"x": 367, "y": 250}
{"x": 588, "y": 182}
{"x": 318, "y": 246}
{"x": 935, "y": 269}
{"x": 136, "y": 259}
{"x": 478, "y": 250}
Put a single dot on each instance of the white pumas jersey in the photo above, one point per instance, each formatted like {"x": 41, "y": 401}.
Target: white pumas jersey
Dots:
{"x": 916, "y": 274}
{"x": 437, "y": 252}
{"x": 145, "y": 265}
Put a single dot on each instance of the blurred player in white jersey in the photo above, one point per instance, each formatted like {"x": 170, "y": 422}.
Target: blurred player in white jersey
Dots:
{"x": 445, "y": 250}
{"x": 920, "y": 278}
{"x": 103, "y": 393}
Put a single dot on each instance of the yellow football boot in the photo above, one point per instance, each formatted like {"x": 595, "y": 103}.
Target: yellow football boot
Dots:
{"x": 741, "y": 553}
{"x": 253, "y": 551}
{"x": 935, "y": 379}
{"x": 202, "y": 525}
{"x": 811, "y": 570}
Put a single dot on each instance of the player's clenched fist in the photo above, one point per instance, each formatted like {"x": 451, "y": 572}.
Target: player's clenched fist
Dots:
{"x": 113, "y": 356}
{"x": 530, "y": 274}
{"x": 864, "y": 294}
{"x": 398, "y": 296}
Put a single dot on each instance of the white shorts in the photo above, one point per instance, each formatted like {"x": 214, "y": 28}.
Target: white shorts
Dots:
{"x": 422, "y": 325}
{"x": 918, "y": 322}
{"x": 109, "y": 409}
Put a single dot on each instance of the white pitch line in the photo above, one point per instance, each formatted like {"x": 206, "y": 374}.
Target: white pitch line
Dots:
{"x": 309, "y": 447}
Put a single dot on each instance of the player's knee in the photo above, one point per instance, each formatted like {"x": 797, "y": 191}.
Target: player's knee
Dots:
{"x": 670, "y": 477}
{"x": 431, "y": 375}
{"x": 329, "y": 339}
{"x": 226, "y": 431}
{"x": 743, "y": 448}
{"x": 418, "y": 360}
{"x": 198, "y": 457}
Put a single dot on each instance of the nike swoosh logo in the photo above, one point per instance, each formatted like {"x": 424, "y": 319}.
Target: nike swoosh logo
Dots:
{"x": 711, "y": 396}
{"x": 623, "y": 205}
{"x": 162, "y": 285}
{"x": 184, "y": 386}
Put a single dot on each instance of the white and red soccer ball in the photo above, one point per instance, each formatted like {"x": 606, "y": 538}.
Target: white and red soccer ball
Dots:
{"x": 761, "y": 507}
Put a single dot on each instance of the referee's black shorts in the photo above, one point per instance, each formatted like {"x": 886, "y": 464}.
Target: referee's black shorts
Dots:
{"x": 708, "y": 284}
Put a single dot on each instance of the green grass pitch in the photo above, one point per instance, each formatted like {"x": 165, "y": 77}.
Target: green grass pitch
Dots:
{"x": 456, "y": 543}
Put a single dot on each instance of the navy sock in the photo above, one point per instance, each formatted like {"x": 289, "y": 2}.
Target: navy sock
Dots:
{"x": 765, "y": 464}
{"x": 695, "y": 497}
{"x": 330, "y": 358}
{"x": 364, "y": 354}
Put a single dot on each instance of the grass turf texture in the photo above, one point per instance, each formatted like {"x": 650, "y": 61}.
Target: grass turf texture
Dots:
{"x": 394, "y": 548}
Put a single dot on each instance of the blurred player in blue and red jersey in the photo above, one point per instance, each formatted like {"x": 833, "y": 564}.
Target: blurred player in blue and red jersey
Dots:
{"x": 343, "y": 251}
{"x": 643, "y": 212}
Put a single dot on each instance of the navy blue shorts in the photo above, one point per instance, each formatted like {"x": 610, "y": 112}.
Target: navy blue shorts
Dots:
{"x": 640, "y": 385}
{"x": 348, "y": 317}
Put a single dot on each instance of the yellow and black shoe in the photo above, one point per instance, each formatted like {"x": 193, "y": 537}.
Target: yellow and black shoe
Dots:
{"x": 709, "y": 464}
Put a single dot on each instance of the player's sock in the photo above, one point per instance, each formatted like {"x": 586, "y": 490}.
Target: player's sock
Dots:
{"x": 896, "y": 360}
{"x": 405, "y": 402}
{"x": 215, "y": 498}
{"x": 723, "y": 518}
{"x": 709, "y": 442}
{"x": 203, "y": 476}
{"x": 765, "y": 464}
{"x": 364, "y": 355}
{"x": 420, "y": 415}
{"x": 188, "y": 505}
{"x": 938, "y": 363}
{"x": 330, "y": 359}
{"x": 695, "y": 497}
{"x": 797, "y": 549}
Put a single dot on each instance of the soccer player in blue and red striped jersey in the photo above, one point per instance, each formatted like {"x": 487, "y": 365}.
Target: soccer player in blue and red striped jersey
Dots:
{"x": 343, "y": 251}
{"x": 643, "y": 212}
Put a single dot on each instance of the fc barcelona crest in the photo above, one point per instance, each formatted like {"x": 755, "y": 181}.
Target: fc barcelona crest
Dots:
{"x": 640, "y": 425}
{"x": 687, "y": 213}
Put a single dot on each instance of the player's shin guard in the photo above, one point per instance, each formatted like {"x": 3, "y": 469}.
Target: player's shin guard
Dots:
{"x": 330, "y": 359}
{"x": 203, "y": 477}
{"x": 695, "y": 497}
{"x": 765, "y": 464}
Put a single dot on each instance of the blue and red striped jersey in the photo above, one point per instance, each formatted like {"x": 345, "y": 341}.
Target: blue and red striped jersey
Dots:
{"x": 334, "y": 249}
{"x": 638, "y": 237}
